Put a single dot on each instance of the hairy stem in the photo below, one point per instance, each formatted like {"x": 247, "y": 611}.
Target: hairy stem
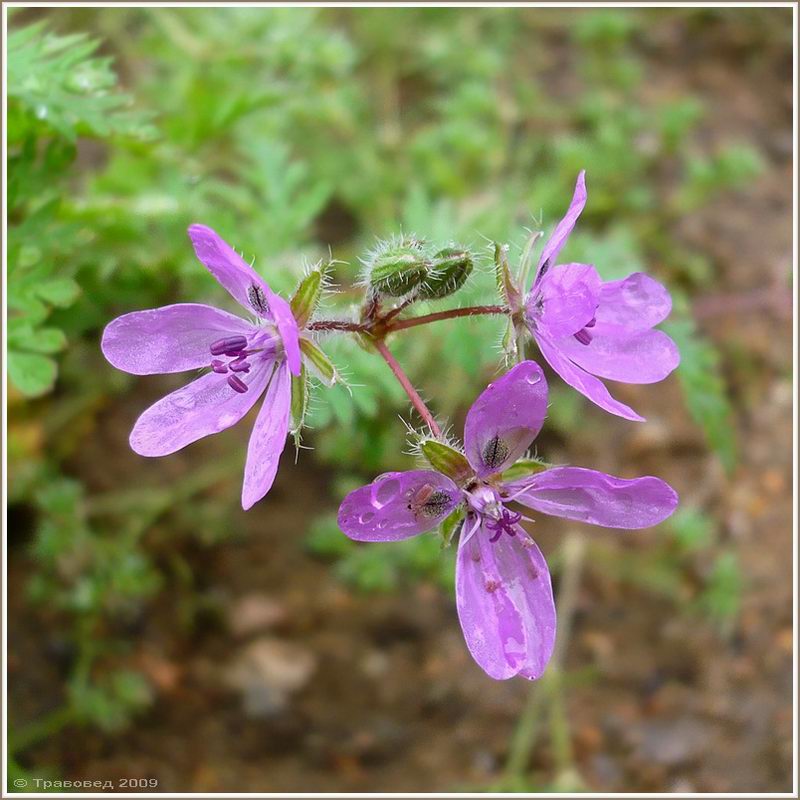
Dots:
{"x": 336, "y": 325}
{"x": 416, "y": 400}
{"x": 470, "y": 311}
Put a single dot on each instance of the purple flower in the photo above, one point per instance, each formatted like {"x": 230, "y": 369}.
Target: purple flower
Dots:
{"x": 587, "y": 328}
{"x": 246, "y": 358}
{"x": 503, "y": 592}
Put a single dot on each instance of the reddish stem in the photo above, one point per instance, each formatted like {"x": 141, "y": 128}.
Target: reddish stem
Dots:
{"x": 470, "y": 311}
{"x": 336, "y": 325}
{"x": 416, "y": 400}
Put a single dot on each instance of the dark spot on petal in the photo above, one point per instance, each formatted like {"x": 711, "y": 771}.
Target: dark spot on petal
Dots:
{"x": 492, "y": 586}
{"x": 495, "y": 452}
{"x": 257, "y": 298}
{"x": 546, "y": 266}
{"x": 435, "y": 504}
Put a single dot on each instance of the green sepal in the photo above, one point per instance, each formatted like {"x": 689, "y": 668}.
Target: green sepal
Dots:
{"x": 299, "y": 404}
{"x": 526, "y": 260}
{"x": 449, "y": 525}
{"x": 449, "y": 269}
{"x": 509, "y": 342}
{"x": 320, "y": 364}
{"x": 524, "y": 468}
{"x": 506, "y": 284}
{"x": 308, "y": 294}
{"x": 447, "y": 460}
{"x": 398, "y": 267}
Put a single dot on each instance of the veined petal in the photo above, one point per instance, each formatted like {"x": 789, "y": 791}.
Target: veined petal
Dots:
{"x": 398, "y": 505}
{"x": 564, "y": 228}
{"x": 268, "y": 438}
{"x": 506, "y": 418}
{"x": 600, "y": 499}
{"x": 204, "y": 406}
{"x": 636, "y": 303}
{"x": 586, "y": 384}
{"x": 643, "y": 357}
{"x": 565, "y": 300}
{"x": 168, "y": 339}
{"x": 505, "y": 604}
{"x": 287, "y": 328}
{"x": 244, "y": 284}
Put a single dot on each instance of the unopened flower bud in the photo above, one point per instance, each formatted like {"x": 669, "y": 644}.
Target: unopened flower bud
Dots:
{"x": 397, "y": 267}
{"x": 448, "y": 271}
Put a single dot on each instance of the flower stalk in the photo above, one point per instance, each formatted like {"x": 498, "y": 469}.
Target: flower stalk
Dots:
{"x": 413, "y": 395}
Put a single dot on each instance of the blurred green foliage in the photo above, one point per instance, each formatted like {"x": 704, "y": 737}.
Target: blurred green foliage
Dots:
{"x": 289, "y": 130}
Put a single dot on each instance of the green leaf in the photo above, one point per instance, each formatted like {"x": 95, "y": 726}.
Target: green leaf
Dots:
{"x": 59, "y": 292}
{"x": 705, "y": 390}
{"x": 41, "y": 340}
{"x": 56, "y": 82}
{"x": 34, "y": 375}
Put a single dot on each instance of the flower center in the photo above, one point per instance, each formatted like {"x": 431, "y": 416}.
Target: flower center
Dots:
{"x": 486, "y": 503}
{"x": 233, "y": 357}
{"x": 508, "y": 519}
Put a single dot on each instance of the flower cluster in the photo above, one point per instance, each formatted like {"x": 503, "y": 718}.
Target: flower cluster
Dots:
{"x": 586, "y": 329}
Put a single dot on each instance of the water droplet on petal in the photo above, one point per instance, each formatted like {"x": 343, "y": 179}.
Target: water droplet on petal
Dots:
{"x": 386, "y": 491}
{"x": 366, "y": 517}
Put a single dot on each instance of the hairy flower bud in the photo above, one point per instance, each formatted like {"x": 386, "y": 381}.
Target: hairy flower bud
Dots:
{"x": 397, "y": 267}
{"x": 449, "y": 269}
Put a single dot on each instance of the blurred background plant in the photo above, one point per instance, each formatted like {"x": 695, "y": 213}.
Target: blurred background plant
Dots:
{"x": 292, "y": 130}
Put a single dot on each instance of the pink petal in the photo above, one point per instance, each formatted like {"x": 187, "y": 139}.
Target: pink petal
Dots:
{"x": 204, "y": 406}
{"x": 506, "y": 418}
{"x": 586, "y": 384}
{"x": 599, "y": 499}
{"x": 564, "y": 228}
{"x": 643, "y": 357}
{"x": 168, "y": 339}
{"x": 287, "y": 328}
{"x": 636, "y": 303}
{"x": 505, "y": 604}
{"x": 565, "y": 300}
{"x": 245, "y": 285}
{"x": 398, "y": 505}
{"x": 268, "y": 438}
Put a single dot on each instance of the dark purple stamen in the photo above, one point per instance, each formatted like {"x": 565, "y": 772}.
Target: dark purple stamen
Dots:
{"x": 240, "y": 365}
{"x": 218, "y": 366}
{"x": 237, "y": 384}
{"x": 591, "y": 323}
{"x": 583, "y": 336}
{"x": 508, "y": 519}
{"x": 234, "y": 344}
